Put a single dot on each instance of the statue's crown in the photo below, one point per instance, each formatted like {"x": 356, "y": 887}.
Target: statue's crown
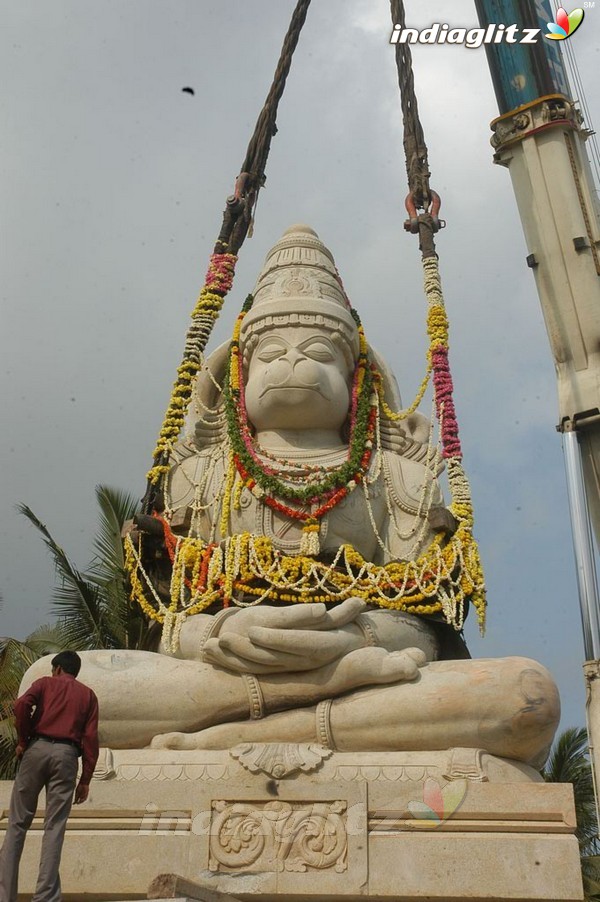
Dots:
{"x": 299, "y": 285}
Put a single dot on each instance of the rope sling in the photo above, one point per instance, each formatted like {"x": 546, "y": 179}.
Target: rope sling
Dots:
{"x": 448, "y": 575}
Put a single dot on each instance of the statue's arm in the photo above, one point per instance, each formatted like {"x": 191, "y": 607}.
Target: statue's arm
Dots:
{"x": 416, "y": 508}
{"x": 185, "y": 476}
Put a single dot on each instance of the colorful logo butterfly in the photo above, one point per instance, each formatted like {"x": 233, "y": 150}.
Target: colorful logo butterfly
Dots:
{"x": 565, "y": 25}
{"x": 439, "y": 803}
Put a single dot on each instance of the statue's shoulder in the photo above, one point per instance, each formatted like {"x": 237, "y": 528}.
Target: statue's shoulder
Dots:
{"x": 191, "y": 467}
{"x": 188, "y": 452}
{"x": 410, "y": 479}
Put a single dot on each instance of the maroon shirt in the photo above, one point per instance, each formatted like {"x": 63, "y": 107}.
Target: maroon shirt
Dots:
{"x": 61, "y": 707}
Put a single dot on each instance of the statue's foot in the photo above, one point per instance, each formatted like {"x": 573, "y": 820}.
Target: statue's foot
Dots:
{"x": 286, "y": 726}
{"x": 175, "y": 741}
{"x": 372, "y": 666}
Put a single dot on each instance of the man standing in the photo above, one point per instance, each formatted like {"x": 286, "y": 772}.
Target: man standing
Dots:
{"x": 57, "y": 721}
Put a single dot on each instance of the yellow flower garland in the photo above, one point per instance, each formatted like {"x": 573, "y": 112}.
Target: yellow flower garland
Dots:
{"x": 207, "y": 309}
{"x": 439, "y": 581}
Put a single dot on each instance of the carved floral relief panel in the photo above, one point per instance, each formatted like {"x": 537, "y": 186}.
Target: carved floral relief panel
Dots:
{"x": 278, "y": 836}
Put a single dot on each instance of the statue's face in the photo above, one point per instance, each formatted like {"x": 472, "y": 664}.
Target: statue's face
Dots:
{"x": 298, "y": 378}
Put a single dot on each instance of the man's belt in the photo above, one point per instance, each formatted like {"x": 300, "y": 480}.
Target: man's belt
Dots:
{"x": 59, "y": 740}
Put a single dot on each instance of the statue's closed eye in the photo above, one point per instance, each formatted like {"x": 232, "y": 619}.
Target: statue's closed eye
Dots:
{"x": 318, "y": 350}
{"x": 271, "y": 351}
{"x": 315, "y": 349}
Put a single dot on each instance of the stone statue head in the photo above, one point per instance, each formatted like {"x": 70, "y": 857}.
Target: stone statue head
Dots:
{"x": 299, "y": 286}
{"x": 300, "y": 344}
{"x": 299, "y": 340}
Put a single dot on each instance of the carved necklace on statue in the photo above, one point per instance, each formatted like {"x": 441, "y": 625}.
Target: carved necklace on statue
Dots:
{"x": 295, "y": 469}
{"x": 329, "y": 487}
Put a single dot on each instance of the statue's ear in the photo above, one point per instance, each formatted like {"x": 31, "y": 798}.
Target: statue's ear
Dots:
{"x": 391, "y": 392}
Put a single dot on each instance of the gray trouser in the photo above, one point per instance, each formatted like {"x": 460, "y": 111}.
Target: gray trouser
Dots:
{"x": 44, "y": 764}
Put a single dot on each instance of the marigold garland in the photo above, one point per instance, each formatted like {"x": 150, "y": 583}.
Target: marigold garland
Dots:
{"x": 217, "y": 284}
{"x": 441, "y": 580}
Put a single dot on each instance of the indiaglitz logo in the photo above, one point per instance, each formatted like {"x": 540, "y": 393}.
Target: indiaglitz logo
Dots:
{"x": 565, "y": 25}
{"x": 472, "y": 38}
{"x": 439, "y": 802}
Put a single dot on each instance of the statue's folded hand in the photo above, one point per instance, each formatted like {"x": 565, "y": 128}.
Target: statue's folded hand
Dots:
{"x": 267, "y": 650}
{"x": 278, "y": 640}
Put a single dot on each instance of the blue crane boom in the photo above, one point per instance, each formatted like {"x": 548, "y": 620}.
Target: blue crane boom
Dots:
{"x": 541, "y": 138}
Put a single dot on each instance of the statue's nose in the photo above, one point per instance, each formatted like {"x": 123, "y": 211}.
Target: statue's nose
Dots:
{"x": 306, "y": 371}
{"x": 295, "y": 368}
{"x": 293, "y": 355}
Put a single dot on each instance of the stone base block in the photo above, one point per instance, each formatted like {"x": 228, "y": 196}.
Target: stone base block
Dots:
{"x": 266, "y": 822}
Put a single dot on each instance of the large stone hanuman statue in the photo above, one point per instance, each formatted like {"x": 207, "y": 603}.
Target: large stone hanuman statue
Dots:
{"x": 311, "y": 583}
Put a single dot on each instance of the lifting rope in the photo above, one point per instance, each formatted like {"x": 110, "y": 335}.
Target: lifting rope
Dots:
{"x": 420, "y": 195}
{"x": 237, "y": 221}
{"x": 237, "y": 218}
{"x": 415, "y": 149}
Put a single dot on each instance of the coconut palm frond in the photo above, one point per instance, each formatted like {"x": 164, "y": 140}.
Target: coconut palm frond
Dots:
{"x": 78, "y": 600}
{"x": 8, "y": 741}
{"x": 8, "y": 730}
{"x": 108, "y": 567}
{"x": 48, "y": 639}
{"x": 79, "y": 606}
{"x": 129, "y": 627}
{"x": 15, "y": 658}
{"x": 93, "y": 605}
{"x": 590, "y": 870}
{"x": 567, "y": 756}
{"x": 569, "y": 763}
{"x": 116, "y": 507}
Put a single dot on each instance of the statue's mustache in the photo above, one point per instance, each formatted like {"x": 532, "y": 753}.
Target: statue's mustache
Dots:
{"x": 311, "y": 386}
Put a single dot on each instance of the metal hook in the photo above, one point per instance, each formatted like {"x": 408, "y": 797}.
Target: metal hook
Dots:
{"x": 412, "y": 224}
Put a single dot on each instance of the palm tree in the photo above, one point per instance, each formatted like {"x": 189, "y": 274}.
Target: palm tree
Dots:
{"x": 569, "y": 763}
{"x": 92, "y": 607}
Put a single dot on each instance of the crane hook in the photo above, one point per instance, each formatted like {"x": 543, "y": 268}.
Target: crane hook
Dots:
{"x": 412, "y": 224}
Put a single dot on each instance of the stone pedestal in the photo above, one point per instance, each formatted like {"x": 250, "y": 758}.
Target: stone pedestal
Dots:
{"x": 299, "y": 822}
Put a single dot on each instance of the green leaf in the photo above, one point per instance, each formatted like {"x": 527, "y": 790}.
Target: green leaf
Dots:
{"x": 569, "y": 763}
{"x": 77, "y": 600}
{"x": 93, "y": 605}
{"x": 116, "y": 507}
{"x": 15, "y": 658}
{"x": 48, "y": 639}
{"x": 8, "y": 741}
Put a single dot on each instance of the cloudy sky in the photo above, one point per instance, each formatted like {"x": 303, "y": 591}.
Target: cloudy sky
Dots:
{"x": 113, "y": 185}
